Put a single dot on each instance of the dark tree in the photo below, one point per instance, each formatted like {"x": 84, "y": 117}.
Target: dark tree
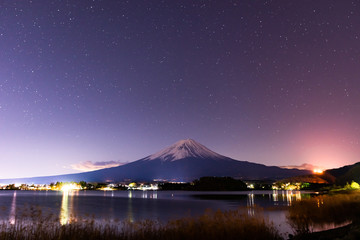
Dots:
{"x": 174, "y": 186}
{"x": 218, "y": 184}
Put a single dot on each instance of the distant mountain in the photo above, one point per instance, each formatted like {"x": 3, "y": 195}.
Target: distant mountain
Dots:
{"x": 346, "y": 174}
{"x": 304, "y": 166}
{"x": 311, "y": 178}
{"x": 185, "y": 160}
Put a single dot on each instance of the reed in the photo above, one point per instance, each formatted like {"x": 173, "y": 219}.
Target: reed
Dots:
{"x": 212, "y": 225}
{"x": 321, "y": 210}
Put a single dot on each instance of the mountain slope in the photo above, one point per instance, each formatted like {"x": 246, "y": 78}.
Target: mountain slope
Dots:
{"x": 346, "y": 174}
{"x": 185, "y": 160}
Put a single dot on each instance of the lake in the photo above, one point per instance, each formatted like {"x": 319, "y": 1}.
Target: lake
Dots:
{"x": 140, "y": 205}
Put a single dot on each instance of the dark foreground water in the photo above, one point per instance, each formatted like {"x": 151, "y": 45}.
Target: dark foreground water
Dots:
{"x": 154, "y": 205}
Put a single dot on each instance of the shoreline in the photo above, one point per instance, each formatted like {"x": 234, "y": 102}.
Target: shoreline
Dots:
{"x": 349, "y": 231}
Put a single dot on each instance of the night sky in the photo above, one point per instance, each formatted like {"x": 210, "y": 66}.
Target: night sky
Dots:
{"x": 91, "y": 83}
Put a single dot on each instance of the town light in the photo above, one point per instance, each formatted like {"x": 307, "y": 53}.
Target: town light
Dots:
{"x": 69, "y": 187}
{"x": 318, "y": 171}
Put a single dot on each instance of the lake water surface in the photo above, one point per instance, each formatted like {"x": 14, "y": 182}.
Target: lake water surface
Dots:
{"x": 154, "y": 205}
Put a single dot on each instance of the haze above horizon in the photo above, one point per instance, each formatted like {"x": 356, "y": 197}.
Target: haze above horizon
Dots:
{"x": 98, "y": 83}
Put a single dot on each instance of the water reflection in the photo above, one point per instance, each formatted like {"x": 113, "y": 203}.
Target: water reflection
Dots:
{"x": 142, "y": 194}
{"x": 12, "y": 216}
{"x": 275, "y": 197}
{"x": 298, "y": 195}
{"x": 251, "y": 204}
{"x": 64, "y": 211}
{"x": 288, "y": 197}
{"x": 130, "y": 214}
{"x": 66, "y": 206}
{"x": 154, "y": 194}
{"x": 132, "y": 196}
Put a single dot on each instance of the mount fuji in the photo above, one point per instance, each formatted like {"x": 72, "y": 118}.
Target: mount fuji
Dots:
{"x": 185, "y": 160}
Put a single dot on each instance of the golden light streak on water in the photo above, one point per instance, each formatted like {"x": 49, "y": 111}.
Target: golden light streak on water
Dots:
{"x": 298, "y": 196}
{"x": 275, "y": 196}
{"x": 130, "y": 214}
{"x": 12, "y": 216}
{"x": 289, "y": 197}
{"x": 64, "y": 211}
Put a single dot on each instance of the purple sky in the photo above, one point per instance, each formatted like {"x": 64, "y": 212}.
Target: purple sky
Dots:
{"x": 272, "y": 82}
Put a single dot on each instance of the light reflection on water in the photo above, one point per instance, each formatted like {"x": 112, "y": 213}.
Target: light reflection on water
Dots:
{"x": 251, "y": 204}
{"x": 66, "y": 210}
{"x": 130, "y": 215}
{"x": 288, "y": 196}
{"x": 12, "y": 216}
{"x": 276, "y": 198}
{"x": 138, "y": 205}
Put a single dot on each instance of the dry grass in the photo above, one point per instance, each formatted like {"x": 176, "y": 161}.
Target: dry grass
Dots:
{"x": 211, "y": 225}
{"x": 325, "y": 209}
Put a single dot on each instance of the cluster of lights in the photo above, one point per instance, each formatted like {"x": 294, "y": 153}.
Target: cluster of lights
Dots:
{"x": 318, "y": 171}
{"x": 144, "y": 187}
{"x": 70, "y": 187}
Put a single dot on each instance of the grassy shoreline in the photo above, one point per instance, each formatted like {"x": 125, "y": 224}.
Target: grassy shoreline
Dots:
{"x": 210, "y": 226}
{"x": 347, "y": 232}
{"x": 338, "y": 208}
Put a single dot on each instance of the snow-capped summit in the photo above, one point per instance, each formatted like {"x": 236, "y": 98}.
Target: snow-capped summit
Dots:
{"x": 184, "y": 149}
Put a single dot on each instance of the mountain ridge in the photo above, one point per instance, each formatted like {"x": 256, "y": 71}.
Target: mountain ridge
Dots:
{"x": 346, "y": 174}
{"x": 185, "y": 160}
